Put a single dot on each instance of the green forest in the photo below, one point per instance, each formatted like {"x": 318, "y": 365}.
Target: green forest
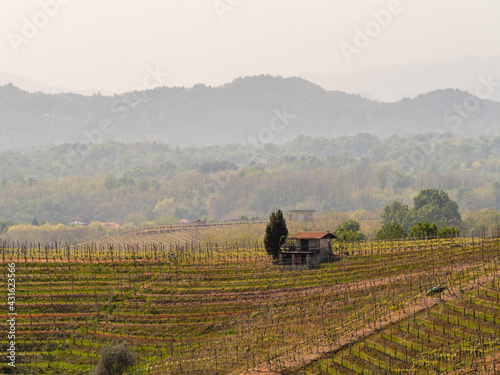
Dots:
{"x": 150, "y": 183}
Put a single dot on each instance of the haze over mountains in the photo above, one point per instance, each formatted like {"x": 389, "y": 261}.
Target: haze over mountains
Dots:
{"x": 392, "y": 83}
{"x": 385, "y": 83}
{"x": 251, "y": 110}
{"x": 29, "y": 84}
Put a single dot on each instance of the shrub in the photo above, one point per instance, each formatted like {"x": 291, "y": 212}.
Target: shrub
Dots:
{"x": 114, "y": 360}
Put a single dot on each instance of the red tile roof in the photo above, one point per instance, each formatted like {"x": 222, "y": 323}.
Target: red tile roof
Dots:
{"x": 312, "y": 235}
{"x": 112, "y": 226}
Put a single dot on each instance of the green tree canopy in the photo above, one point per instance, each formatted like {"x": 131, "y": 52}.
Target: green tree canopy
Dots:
{"x": 436, "y": 206}
{"x": 391, "y": 231}
{"x": 430, "y": 205}
{"x": 5, "y": 225}
{"x": 422, "y": 230}
{"x": 496, "y": 194}
{"x": 349, "y": 231}
{"x": 399, "y": 213}
{"x": 110, "y": 182}
{"x": 448, "y": 232}
{"x": 276, "y": 233}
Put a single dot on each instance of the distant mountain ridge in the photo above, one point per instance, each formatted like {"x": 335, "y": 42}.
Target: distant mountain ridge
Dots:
{"x": 28, "y": 84}
{"x": 250, "y": 110}
{"x": 390, "y": 83}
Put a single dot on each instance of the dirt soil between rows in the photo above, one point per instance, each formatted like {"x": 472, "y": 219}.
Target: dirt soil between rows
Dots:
{"x": 320, "y": 352}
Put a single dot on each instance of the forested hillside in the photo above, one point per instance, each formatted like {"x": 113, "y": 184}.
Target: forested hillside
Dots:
{"x": 256, "y": 110}
{"x": 136, "y": 183}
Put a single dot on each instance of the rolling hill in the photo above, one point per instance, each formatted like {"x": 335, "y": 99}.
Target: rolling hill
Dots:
{"x": 256, "y": 110}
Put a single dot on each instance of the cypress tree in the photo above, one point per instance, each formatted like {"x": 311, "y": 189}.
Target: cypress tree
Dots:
{"x": 276, "y": 233}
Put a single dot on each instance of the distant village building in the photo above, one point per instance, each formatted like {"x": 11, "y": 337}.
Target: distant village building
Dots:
{"x": 194, "y": 222}
{"x": 307, "y": 248}
{"x": 302, "y": 215}
{"x": 198, "y": 222}
{"x": 78, "y": 223}
{"x": 113, "y": 226}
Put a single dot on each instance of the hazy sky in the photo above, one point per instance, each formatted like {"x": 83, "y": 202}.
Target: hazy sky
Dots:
{"x": 109, "y": 44}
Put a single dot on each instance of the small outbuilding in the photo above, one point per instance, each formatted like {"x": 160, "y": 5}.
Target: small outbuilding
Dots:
{"x": 310, "y": 248}
{"x": 302, "y": 215}
{"x": 198, "y": 222}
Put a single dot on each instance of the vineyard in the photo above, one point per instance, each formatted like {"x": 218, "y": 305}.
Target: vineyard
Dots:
{"x": 219, "y": 308}
{"x": 187, "y": 234}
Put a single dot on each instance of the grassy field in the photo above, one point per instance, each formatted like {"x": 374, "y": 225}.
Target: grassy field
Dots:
{"x": 206, "y": 308}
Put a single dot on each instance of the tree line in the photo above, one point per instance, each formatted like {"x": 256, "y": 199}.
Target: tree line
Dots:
{"x": 155, "y": 183}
